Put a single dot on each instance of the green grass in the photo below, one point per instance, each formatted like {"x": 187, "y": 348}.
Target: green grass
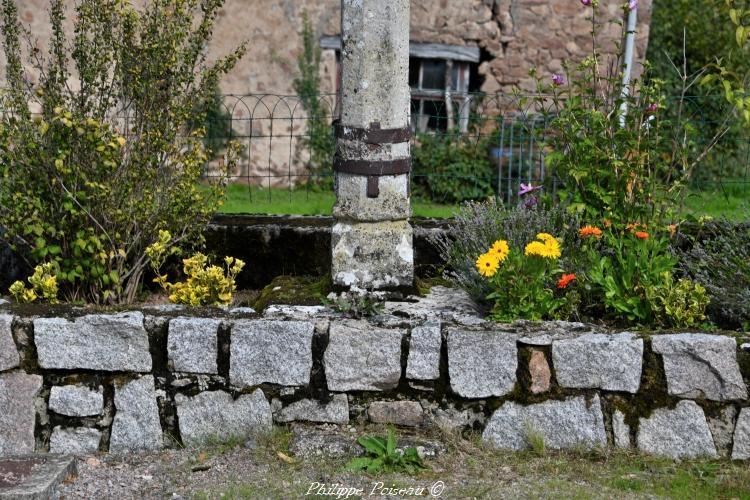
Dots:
{"x": 734, "y": 204}
{"x": 302, "y": 201}
{"x": 731, "y": 203}
{"x": 471, "y": 469}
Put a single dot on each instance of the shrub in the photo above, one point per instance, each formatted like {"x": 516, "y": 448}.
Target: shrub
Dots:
{"x": 716, "y": 254}
{"x": 97, "y": 169}
{"x": 617, "y": 154}
{"x": 206, "y": 285}
{"x": 451, "y": 168}
{"x": 319, "y": 140}
{"x": 521, "y": 281}
{"x": 43, "y": 284}
{"x": 478, "y": 224}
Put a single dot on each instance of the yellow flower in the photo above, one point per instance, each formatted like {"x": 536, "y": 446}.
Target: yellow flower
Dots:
{"x": 500, "y": 249}
{"x": 545, "y": 237}
{"x": 487, "y": 264}
{"x": 121, "y": 141}
{"x": 548, "y": 247}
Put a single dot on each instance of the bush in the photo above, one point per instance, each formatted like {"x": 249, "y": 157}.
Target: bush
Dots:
{"x": 319, "y": 141}
{"x": 205, "y": 285}
{"x": 43, "y": 284}
{"x": 522, "y": 281}
{"x": 479, "y": 224}
{"x": 451, "y": 168}
{"x": 716, "y": 254}
{"x": 92, "y": 172}
{"x": 618, "y": 154}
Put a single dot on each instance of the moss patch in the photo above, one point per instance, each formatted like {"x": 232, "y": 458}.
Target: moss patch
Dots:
{"x": 297, "y": 290}
{"x": 423, "y": 285}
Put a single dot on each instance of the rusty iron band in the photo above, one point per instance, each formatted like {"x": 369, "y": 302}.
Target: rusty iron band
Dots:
{"x": 374, "y": 134}
{"x": 373, "y": 170}
{"x": 373, "y": 167}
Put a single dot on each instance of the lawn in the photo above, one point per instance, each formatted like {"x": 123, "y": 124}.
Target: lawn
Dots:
{"x": 731, "y": 203}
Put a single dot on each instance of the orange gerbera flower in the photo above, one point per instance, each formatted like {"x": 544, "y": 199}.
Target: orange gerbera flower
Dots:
{"x": 587, "y": 231}
{"x": 641, "y": 234}
{"x": 565, "y": 280}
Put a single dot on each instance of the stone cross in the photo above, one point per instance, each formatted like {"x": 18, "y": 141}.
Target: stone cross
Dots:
{"x": 372, "y": 238}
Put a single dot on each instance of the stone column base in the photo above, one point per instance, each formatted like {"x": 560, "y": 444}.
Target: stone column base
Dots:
{"x": 372, "y": 255}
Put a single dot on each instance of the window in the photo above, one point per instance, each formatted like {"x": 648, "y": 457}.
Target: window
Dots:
{"x": 439, "y": 94}
{"x": 440, "y": 79}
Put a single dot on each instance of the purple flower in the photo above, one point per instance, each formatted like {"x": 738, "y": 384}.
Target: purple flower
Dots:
{"x": 558, "y": 79}
{"x": 632, "y": 4}
{"x": 528, "y": 188}
{"x": 586, "y": 2}
{"x": 652, "y": 108}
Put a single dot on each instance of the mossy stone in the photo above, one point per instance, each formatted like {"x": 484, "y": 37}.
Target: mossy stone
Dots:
{"x": 295, "y": 290}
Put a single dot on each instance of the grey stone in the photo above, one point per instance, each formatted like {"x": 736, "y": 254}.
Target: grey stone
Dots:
{"x": 4, "y": 302}
{"x": 45, "y": 475}
{"x": 424, "y": 352}
{"x": 107, "y": 342}
{"x": 741, "y": 448}
{"x": 571, "y": 423}
{"x": 701, "y": 366}
{"x": 274, "y": 352}
{"x": 372, "y": 255}
{"x": 9, "y": 357}
{"x": 678, "y": 433}
{"x": 335, "y": 411}
{"x": 391, "y": 204}
{"x": 621, "y": 430}
{"x": 136, "y": 426}
{"x": 17, "y": 413}
{"x": 322, "y": 441}
{"x": 543, "y": 333}
{"x": 192, "y": 345}
{"x": 722, "y": 428}
{"x": 441, "y": 303}
{"x": 360, "y": 357}
{"x": 76, "y": 401}
{"x": 452, "y": 419}
{"x": 241, "y": 310}
{"x": 406, "y": 413}
{"x": 481, "y": 363}
{"x": 78, "y": 441}
{"x": 215, "y": 415}
{"x": 612, "y": 362}
{"x": 300, "y": 313}
{"x": 164, "y": 308}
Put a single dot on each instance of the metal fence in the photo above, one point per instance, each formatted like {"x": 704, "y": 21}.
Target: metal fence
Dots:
{"x": 464, "y": 147}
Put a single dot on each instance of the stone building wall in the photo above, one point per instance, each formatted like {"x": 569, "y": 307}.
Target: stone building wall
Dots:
{"x": 514, "y": 35}
{"x": 173, "y": 376}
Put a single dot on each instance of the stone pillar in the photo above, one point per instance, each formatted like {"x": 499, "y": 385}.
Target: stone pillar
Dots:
{"x": 372, "y": 238}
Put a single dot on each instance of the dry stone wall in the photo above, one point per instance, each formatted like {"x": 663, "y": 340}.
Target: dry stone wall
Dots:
{"x": 75, "y": 382}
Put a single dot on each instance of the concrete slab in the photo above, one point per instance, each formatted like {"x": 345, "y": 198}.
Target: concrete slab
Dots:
{"x": 34, "y": 477}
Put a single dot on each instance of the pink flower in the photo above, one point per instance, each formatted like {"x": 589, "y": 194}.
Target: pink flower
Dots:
{"x": 652, "y": 108}
{"x": 586, "y": 2}
{"x": 632, "y": 4}
{"x": 558, "y": 79}
{"x": 528, "y": 188}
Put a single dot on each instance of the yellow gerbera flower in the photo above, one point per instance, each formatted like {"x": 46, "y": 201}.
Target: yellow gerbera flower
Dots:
{"x": 548, "y": 247}
{"x": 501, "y": 249}
{"x": 546, "y": 237}
{"x": 487, "y": 264}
